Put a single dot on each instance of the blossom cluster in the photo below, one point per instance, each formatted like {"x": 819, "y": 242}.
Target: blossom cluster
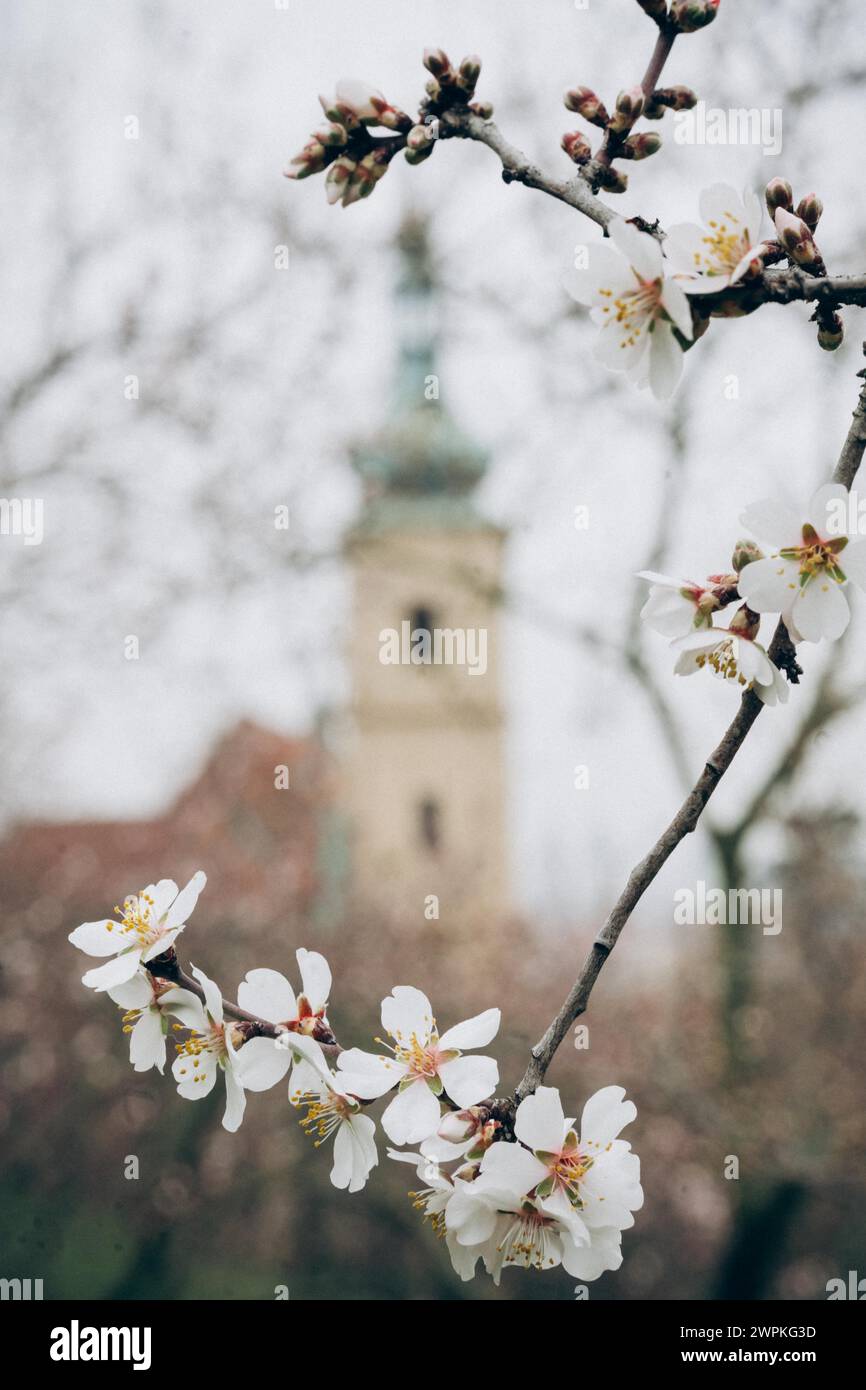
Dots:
{"x": 503, "y": 1183}
{"x": 803, "y": 580}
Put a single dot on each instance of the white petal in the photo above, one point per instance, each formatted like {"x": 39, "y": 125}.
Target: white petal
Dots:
{"x": 268, "y": 994}
{"x": 604, "y": 1115}
{"x": 413, "y": 1114}
{"x": 135, "y": 993}
{"x": 316, "y": 978}
{"x": 677, "y": 306}
{"x": 181, "y": 909}
{"x": 354, "y": 1153}
{"x": 193, "y": 1082}
{"x": 540, "y": 1120}
{"x": 114, "y": 972}
{"x": 821, "y": 610}
{"x": 236, "y": 1102}
{"x": 102, "y": 938}
{"x": 469, "y": 1079}
{"x": 666, "y": 361}
{"x": 163, "y": 943}
{"x": 213, "y": 999}
{"x": 475, "y": 1032}
{"x": 775, "y": 521}
{"x": 368, "y": 1076}
{"x": 769, "y": 586}
{"x": 261, "y": 1064}
{"x": 508, "y": 1173}
{"x": 185, "y": 1006}
{"x": 641, "y": 250}
{"x": 147, "y": 1042}
{"x": 407, "y": 1013}
{"x": 606, "y": 270}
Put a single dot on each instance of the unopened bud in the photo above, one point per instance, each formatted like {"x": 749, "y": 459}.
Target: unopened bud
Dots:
{"x": 831, "y": 332}
{"x": 432, "y": 88}
{"x": 483, "y": 1139}
{"x": 745, "y": 551}
{"x": 360, "y": 100}
{"x": 576, "y": 146}
{"x": 311, "y": 160}
{"x": 436, "y": 60}
{"x": 418, "y": 137}
{"x": 669, "y": 99}
{"x": 362, "y": 182}
{"x": 779, "y": 194}
{"x": 629, "y": 105}
{"x": 688, "y": 16}
{"x": 468, "y": 74}
{"x": 810, "y": 209}
{"x": 642, "y": 146}
{"x": 334, "y": 134}
{"x": 796, "y": 238}
{"x": 459, "y": 1125}
{"x": 338, "y": 177}
{"x": 416, "y": 154}
{"x": 745, "y": 623}
{"x": 484, "y": 109}
{"x": 587, "y": 104}
{"x": 611, "y": 179}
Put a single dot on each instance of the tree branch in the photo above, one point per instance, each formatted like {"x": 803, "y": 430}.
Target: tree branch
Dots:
{"x": 687, "y": 817}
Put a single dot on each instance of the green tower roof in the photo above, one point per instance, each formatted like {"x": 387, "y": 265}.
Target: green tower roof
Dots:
{"x": 419, "y": 468}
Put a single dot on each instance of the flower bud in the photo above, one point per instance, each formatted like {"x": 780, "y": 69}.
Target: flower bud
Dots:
{"x": 745, "y": 623}
{"x": 331, "y": 135}
{"x": 419, "y": 136}
{"x": 656, "y": 9}
{"x": 831, "y": 332}
{"x": 468, "y": 74}
{"x": 484, "y": 109}
{"x": 688, "y": 16}
{"x": 576, "y": 146}
{"x": 360, "y": 99}
{"x": 796, "y": 238}
{"x": 642, "y": 146}
{"x": 612, "y": 180}
{"x": 311, "y": 160}
{"x": 432, "y": 88}
{"x": 629, "y": 105}
{"x": 459, "y": 1125}
{"x": 810, "y": 209}
{"x": 338, "y": 177}
{"x": 584, "y": 101}
{"x": 779, "y": 194}
{"x": 669, "y": 99}
{"x": 367, "y": 173}
{"x": 416, "y": 154}
{"x": 437, "y": 62}
{"x": 745, "y": 551}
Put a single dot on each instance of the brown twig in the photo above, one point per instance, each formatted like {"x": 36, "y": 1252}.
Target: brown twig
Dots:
{"x": 687, "y": 817}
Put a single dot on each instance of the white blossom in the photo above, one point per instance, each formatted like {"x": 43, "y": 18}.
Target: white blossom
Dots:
{"x": 269, "y": 995}
{"x": 637, "y": 307}
{"x": 725, "y": 249}
{"x": 813, "y": 559}
{"x": 148, "y": 1003}
{"x": 676, "y": 607}
{"x": 332, "y": 1112}
{"x": 211, "y": 1048}
{"x": 423, "y": 1065}
{"x": 147, "y": 926}
{"x": 731, "y": 655}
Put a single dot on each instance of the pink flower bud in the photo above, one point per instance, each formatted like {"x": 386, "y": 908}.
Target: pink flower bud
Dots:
{"x": 745, "y": 623}
{"x": 642, "y": 146}
{"x": 810, "y": 209}
{"x": 745, "y": 551}
{"x": 484, "y": 109}
{"x": 418, "y": 137}
{"x": 779, "y": 194}
{"x": 612, "y": 180}
{"x": 687, "y": 16}
{"x": 796, "y": 238}
{"x": 669, "y": 99}
{"x": 468, "y": 74}
{"x": 362, "y": 100}
{"x": 576, "y": 146}
{"x": 629, "y": 105}
{"x": 338, "y": 177}
{"x": 587, "y": 104}
{"x": 311, "y": 160}
{"x": 333, "y": 135}
{"x": 459, "y": 1125}
{"x": 436, "y": 60}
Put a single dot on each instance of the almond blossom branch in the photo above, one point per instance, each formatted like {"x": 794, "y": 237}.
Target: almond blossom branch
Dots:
{"x": 687, "y": 817}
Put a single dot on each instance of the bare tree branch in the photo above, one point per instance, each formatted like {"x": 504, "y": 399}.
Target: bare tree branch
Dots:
{"x": 687, "y": 817}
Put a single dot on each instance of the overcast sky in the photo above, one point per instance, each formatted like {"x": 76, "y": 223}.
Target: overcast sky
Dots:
{"x": 154, "y": 256}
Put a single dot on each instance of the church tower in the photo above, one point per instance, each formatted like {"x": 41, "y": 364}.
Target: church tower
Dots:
{"x": 425, "y": 779}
